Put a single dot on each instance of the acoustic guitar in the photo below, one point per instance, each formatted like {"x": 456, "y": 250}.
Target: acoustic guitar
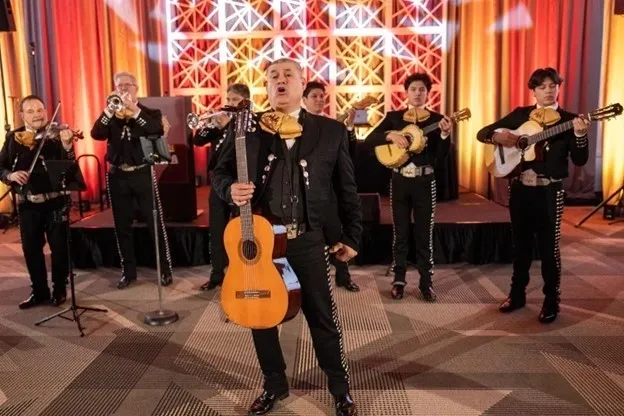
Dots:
{"x": 260, "y": 289}
{"x": 501, "y": 161}
{"x": 391, "y": 156}
{"x": 359, "y": 105}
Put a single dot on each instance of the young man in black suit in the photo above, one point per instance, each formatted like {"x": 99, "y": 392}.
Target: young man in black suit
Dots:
{"x": 292, "y": 180}
{"x": 129, "y": 177}
{"x": 314, "y": 101}
{"x": 536, "y": 196}
{"x": 219, "y": 209}
{"x": 413, "y": 186}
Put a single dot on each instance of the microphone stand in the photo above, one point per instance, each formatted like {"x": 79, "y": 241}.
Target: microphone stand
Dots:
{"x": 34, "y": 62}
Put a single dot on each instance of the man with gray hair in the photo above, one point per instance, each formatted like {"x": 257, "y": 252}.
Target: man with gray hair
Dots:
{"x": 129, "y": 178}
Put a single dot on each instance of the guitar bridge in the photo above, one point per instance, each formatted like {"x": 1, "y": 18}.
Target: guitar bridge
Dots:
{"x": 253, "y": 294}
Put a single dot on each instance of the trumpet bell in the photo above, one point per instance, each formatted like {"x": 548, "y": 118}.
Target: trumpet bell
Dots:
{"x": 114, "y": 103}
{"x": 192, "y": 120}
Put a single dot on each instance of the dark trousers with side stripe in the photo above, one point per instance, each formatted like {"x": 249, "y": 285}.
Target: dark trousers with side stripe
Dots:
{"x": 308, "y": 257}
{"x": 333, "y": 234}
{"x": 536, "y": 210}
{"x": 219, "y": 217}
{"x": 38, "y": 222}
{"x": 124, "y": 189}
{"x": 417, "y": 196}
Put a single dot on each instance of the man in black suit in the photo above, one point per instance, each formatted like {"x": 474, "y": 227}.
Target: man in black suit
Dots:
{"x": 219, "y": 209}
{"x": 42, "y": 211}
{"x": 129, "y": 178}
{"x": 292, "y": 180}
{"x": 536, "y": 196}
{"x": 413, "y": 186}
{"x": 314, "y": 101}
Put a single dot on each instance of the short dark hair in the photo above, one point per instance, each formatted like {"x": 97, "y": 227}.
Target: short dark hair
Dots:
{"x": 542, "y": 74}
{"x": 422, "y": 77}
{"x": 240, "y": 89}
{"x": 312, "y": 85}
{"x": 30, "y": 97}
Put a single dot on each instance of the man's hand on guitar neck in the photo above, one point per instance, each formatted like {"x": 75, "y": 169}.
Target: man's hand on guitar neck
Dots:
{"x": 580, "y": 126}
{"x": 343, "y": 252}
{"x": 505, "y": 138}
{"x": 242, "y": 193}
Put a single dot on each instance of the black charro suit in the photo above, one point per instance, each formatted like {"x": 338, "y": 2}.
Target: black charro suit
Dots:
{"x": 322, "y": 157}
{"x": 125, "y": 186}
{"x": 538, "y": 209}
{"x": 417, "y": 194}
{"x": 219, "y": 210}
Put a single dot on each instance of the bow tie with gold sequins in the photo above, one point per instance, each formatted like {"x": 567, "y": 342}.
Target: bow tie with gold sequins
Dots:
{"x": 285, "y": 125}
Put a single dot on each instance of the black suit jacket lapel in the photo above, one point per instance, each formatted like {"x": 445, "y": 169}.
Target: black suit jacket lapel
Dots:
{"x": 310, "y": 135}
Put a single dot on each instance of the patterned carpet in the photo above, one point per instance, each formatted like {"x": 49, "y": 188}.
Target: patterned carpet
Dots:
{"x": 457, "y": 357}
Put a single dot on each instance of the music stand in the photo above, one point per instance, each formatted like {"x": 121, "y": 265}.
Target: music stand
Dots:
{"x": 65, "y": 176}
{"x": 154, "y": 150}
{"x": 602, "y": 204}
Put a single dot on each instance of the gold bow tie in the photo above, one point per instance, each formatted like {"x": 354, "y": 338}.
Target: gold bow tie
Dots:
{"x": 416, "y": 115}
{"x": 283, "y": 124}
{"x": 545, "y": 116}
{"x": 25, "y": 138}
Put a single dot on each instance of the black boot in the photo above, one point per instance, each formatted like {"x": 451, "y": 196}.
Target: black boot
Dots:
{"x": 265, "y": 402}
{"x": 514, "y": 301}
{"x": 345, "y": 406}
{"x": 550, "y": 309}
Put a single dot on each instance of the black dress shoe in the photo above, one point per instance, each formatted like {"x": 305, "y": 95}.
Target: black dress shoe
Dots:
{"x": 397, "y": 291}
{"x": 209, "y": 285}
{"x": 512, "y": 303}
{"x": 166, "y": 279}
{"x": 58, "y": 299}
{"x": 33, "y": 301}
{"x": 345, "y": 405}
{"x": 348, "y": 284}
{"x": 429, "y": 295}
{"x": 264, "y": 404}
{"x": 549, "y": 312}
{"x": 125, "y": 282}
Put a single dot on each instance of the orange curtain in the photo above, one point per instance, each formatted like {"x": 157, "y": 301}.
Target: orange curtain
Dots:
{"x": 16, "y": 81}
{"x": 613, "y": 130}
{"x": 83, "y": 44}
{"x": 495, "y": 45}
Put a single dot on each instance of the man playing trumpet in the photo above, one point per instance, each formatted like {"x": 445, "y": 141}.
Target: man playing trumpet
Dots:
{"x": 214, "y": 133}
{"x": 122, "y": 123}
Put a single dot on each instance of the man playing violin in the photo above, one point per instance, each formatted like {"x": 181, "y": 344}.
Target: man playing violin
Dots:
{"x": 536, "y": 195}
{"x": 413, "y": 185}
{"x": 314, "y": 102}
{"x": 42, "y": 212}
{"x": 129, "y": 179}
{"x": 219, "y": 209}
{"x": 296, "y": 160}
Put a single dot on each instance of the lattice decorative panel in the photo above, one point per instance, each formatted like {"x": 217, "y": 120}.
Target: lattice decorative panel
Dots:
{"x": 356, "y": 47}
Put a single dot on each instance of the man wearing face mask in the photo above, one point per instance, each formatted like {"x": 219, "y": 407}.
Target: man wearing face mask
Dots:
{"x": 296, "y": 160}
{"x": 219, "y": 209}
{"x": 314, "y": 101}
{"x": 129, "y": 178}
{"x": 42, "y": 211}
{"x": 536, "y": 196}
{"x": 413, "y": 186}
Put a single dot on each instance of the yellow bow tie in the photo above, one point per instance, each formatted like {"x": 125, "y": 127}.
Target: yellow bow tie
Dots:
{"x": 416, "y": 115}
{"x": 283, "y": 124}
{"x": 545, "y": 116}
{"x": 25, "y": 138}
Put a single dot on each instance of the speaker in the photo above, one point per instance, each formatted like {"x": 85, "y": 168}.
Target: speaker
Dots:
{"x": 7, "y": 22}
{"x": 176, "y": 181}
{"x": 618, "y": 7}
{"x": 371, "y": 207}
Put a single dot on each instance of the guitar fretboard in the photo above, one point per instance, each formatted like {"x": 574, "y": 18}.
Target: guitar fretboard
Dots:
{"x": 241, "y": 170}
{"x": 548, "y": 133}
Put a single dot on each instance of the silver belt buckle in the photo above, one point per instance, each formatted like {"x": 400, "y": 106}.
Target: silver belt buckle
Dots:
{"x": 291, "y": 231}
{"x": 409, "y": 171}
{"x": 528, "y": 179}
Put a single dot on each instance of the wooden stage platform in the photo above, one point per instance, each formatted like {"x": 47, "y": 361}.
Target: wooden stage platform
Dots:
{"x": 470, "y": 229}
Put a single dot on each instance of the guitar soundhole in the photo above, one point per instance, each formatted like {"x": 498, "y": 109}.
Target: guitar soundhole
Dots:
{"x": 523, "y": 143}
{"x": 250, "y": 249}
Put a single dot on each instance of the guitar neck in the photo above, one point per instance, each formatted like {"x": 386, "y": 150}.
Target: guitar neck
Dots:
{"x": 243, "y": 177}
{"x": 548, "y": 133}
{"x": 430, "y": 128}
{"x": 342, "y": 118}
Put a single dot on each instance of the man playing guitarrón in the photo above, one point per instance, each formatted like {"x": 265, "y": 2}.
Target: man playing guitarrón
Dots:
{"x": 296, "y": 160}
{"x": 413, "y": 186}
{"x": 536, "y": 193}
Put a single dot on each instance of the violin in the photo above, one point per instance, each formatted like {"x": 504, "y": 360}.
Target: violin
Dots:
{"x": 30, "y": 139}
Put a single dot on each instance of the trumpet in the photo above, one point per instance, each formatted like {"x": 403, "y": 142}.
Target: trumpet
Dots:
{"x": 206, "y": 120}
{"x": 114, "y": 102}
